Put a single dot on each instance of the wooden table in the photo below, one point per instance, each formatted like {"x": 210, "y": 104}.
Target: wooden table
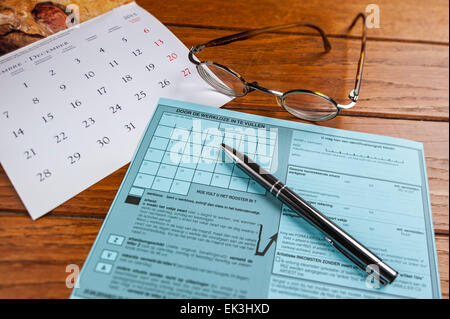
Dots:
{"x": 405, "y": 93}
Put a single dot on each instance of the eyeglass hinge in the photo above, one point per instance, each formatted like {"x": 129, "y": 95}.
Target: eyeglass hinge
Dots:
{"x": 353, "y": 96}
{"x": 198, "y": 48}
{"x": 251, "y": 86}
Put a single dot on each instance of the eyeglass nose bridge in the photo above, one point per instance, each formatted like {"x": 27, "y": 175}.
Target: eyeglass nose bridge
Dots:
{"x": 254, "y": 86}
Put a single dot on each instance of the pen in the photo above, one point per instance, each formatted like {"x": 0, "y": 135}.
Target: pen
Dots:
{"x": 343, "y": 242}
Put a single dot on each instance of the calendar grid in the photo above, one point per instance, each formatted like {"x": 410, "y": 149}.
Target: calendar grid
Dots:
{"x": 179, "y": 156}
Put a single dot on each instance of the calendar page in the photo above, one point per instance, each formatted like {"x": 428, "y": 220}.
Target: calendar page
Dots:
{"x": 73, "y": 106}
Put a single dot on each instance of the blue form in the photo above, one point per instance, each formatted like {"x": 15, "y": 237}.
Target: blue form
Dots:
{"x": 149, "y": 168}
{"x": 144, "y": 180}
{"x": 201, "y": 177}
{"x": 239, "y": 183}
{"x": 167, "y": 171}
{"x": 162, "y": 184}
{"x": 192, "y": 219}
{"x": 180, "y": 187}
{"x": 184, "y": 174}
{"x": 220, "y": 180}
{"x": 154, "y": 155}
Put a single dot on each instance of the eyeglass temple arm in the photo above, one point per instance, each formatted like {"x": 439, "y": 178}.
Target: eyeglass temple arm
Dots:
{"x": 355, "y": 93}
{"x": 251, "y": 33}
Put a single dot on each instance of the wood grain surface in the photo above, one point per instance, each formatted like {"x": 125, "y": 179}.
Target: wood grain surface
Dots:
{"x": 415, "y": 21}
{"x": 34, "y": 257}
{"x": 404, "y": 94}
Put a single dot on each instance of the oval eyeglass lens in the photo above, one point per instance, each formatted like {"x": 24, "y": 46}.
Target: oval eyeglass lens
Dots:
{"x": 309, "y": 106}
{"x": 221, "y": 79}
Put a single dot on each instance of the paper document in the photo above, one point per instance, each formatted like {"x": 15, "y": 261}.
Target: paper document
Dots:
{"x": 187, "y": 223}
{"x": 74, "y": 106}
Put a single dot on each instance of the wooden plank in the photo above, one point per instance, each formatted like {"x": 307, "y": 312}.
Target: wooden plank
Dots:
{"x": 418, "y": 21}
{"x": 408, "y": 81}
{"x": 34, "y": 255}
{"x": 411, "y": 20}
{"x": 442, "y": 252}
{"x": 96, "y": 200}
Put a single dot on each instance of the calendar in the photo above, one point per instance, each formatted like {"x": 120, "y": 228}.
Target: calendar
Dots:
{"x": 74, "y": 106}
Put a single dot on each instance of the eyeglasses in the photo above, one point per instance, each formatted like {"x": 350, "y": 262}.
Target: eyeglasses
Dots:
{"x": 308, "y": 105}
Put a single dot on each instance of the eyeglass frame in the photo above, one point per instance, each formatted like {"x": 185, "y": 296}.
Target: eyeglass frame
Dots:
{"x": 249, "y": 87}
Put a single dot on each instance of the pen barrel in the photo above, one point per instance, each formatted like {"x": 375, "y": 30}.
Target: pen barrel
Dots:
{"x": 346, "y": 244}
{"x": 337, "y": 237}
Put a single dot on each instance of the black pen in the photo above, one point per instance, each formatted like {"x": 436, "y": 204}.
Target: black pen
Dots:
{"x": 343, "y": 242}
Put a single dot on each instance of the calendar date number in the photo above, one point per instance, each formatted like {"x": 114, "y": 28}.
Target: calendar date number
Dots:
{"x": 103, "y": 141}
{"x": 29, "y": 154}
{"x": 164, "y": 83}
{"x": 18, "y": 133}
{"x": 129, "y": 127}
{"x": 75, "y": 157}
{"x": 76, "y": 104}
{"x": 172, "y": 57}
{"x": 60, "y": 137}
{"x": 44, "y": 175}
{"x": 116, "y": 108}
{"x": 88, "y": 122}
{"x": 140, "y": 95}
